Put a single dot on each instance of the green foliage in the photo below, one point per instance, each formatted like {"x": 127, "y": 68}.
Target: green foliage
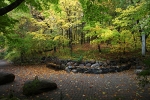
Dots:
{"x": 32, "y": 36}
{"x": 95, "y": 11}
{"x": 80, "y": 59}
{"x": 6, "y": 24}
{"x": 2, "y": 40}
{"x": 26, "y": 42}
{"x": 147, "y": 62}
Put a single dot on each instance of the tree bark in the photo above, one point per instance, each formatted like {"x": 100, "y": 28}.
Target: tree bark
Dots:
{"x": 71, "y": 39}
{"x": 99, "y": 48}
{"x": 143, "y": 45}
{"x": 10, "y": 7}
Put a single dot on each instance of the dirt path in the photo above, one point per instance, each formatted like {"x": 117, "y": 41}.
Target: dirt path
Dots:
{"x": 78, "y": 86}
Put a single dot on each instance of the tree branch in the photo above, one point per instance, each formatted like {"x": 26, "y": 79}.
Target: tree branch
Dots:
{"x": 10, "y": 7}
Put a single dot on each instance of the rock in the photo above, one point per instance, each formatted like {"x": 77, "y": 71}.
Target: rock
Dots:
{"x": 55, "y": 60}
{"x": 96, "y": 65}
{"x": 133, "y": 63}
{"x": 108, "y": 62}
{"x": 80, "y": 70}
{"x": 125, "y": 66}
{"x": 113, "y": 63}
{"x": 74, "y": 70}
{"x": 67, "y": 69}
{"x": 122, "y": 67}
{"x": 119, "y": 69}
{"x": 101, "y": 63}
{"x": 112, "y": 69}
{"x": 104, "y": 70}
{"x": 128, "y": 66}
{"x": 62, "y": 66}
{"x": 71, "y": 67}
{"x": 137, "y": 71}
{"x": 88, "y": 71}
{"x": 76, "y": 64}
{"x": 54, "y": 66}
{"x": 97, "y": 71}
{"x": 69, "y": 63}
{"x": 6, "y": 78}
{"x": 138, "y": 67}
{"x": 105, "y": 64}
{"x": 88, "y": 65}
{"x": 81, "y": 65}
{"x": 37, "y": 86}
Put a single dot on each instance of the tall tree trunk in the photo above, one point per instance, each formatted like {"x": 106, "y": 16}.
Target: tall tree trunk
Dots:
{"x": 81, "y": 41}
{"x": 143, "y": 45}
{"x": 84, "y": 40}
{"x": 82, "y": 34}
{"x": 134, "y": 40}
{"x": 70, "y": 42}
{"x": 124, "y": 48}
{"x": 143, "y": 40}
{"x": 22, "y": 57}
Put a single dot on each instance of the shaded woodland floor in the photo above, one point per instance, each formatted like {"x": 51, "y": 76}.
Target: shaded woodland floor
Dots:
{"x": 111, "y": 86}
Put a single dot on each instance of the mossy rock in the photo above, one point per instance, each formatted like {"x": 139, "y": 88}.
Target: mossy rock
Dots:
{"x": 37, "y": 86}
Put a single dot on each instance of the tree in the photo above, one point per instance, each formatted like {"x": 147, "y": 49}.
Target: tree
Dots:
{"x": 71, "y": 14}
{"x": 10, "y": 7}
{"x": 131, "y": 19}
{"x": 20, "y": 41}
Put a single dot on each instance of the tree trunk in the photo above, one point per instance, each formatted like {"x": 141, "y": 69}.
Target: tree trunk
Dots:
{"x": 81, "y": 41}
{"x": 55, "y": 49}
{"x": 10, "y": 7}
{"x": 99, "y": 48}
{"x": 70, "y": 42}
{"x": 143, "y": 45}
{"x": 82, "y": 34}
{"x": 134, "y": 41}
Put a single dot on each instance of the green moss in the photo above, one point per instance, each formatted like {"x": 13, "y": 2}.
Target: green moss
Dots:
{"x": 31, "y": 87}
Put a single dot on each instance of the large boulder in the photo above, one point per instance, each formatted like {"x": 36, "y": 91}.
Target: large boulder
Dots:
{"x": 6, "y": 78}
{"x": 37, "y": 86}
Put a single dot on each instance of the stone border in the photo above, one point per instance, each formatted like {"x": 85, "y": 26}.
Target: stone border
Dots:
{"x": 93, "y": 67}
